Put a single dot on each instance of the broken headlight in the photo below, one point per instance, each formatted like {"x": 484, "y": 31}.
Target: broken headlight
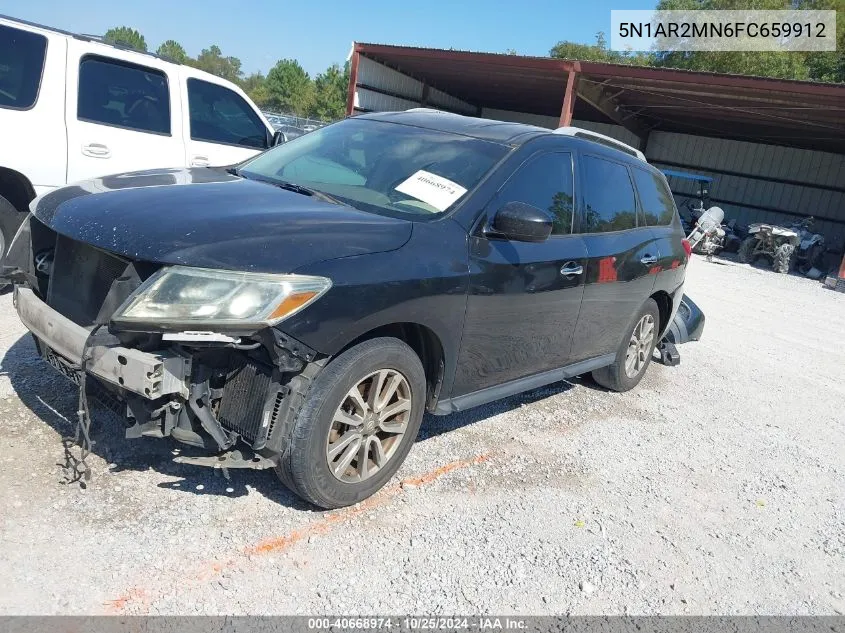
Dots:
{"x": 179, "y": 296}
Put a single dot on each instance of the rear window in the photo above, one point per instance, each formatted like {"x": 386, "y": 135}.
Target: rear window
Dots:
{"x": 655, "y": 198}
{"x": 21, "y": 64}
{"x": 608, "y": 197}
{"x": 113, "y": 92}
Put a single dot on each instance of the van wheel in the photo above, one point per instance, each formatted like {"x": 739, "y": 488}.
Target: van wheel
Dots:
{"x": 357, "y": 424}
{"x": 635, "y": 351}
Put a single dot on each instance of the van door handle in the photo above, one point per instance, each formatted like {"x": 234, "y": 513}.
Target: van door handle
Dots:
{"x": 571, "y": 268}
{"x": 649, "y": 260}
{"x": 199, "y": 161}
{"x": 96, "y": 150}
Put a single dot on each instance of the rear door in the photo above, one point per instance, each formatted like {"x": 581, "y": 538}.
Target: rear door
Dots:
{"x": 658, "y": 211}
{"x": 221, "y": 127}
{"x": 523, "y": 304}
{"x": 122, "y": 114}
{"x": 622, "y": 253}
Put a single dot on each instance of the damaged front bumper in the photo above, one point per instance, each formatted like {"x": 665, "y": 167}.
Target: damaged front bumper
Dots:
{"x": 211, "y": 396}
{"x": 63, "y": 343}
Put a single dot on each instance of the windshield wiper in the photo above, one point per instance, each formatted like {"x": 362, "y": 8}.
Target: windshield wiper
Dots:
{"x": 305, "y": 191}
{"x": 290, "y": 186}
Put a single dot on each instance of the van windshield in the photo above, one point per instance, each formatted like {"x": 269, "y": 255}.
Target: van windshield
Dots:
{"x": 381, "y": 167}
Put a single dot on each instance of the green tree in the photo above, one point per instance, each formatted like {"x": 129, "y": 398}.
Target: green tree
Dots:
{"x": 598, "y": 52}
{"x": 780, "y": 64}
{"x": 171, "y": 49}
{"x": 289, "y": 88}
{"x": 330, "y": 91}
{"x": 828, "y": 66}
{"x": 255, "y": 85}
{"x": 211, "y": 60}
{"x": 125, "y": 36}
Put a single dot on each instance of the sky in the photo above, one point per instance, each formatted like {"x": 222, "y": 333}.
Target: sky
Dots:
{"x": 260, "y": 32}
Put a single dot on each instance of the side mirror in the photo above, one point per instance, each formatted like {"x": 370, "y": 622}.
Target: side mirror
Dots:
{"x": 278, "y": 138}
{"x": 522, "y": 223}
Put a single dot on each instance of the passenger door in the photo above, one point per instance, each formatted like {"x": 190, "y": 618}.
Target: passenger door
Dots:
{"x": 522, "y": 307}
{"x": 221, "y": 128}
{"x": 121, "y": 115}
{"x": 623, "y": 257}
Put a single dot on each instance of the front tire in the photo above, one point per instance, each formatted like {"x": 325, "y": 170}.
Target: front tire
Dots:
{"x": 635, "y": 352}
{"x": 783, "y": 258}
{"x": 357, "y": 424}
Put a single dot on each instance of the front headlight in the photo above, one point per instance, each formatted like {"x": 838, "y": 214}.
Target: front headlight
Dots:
{"x": 178, "y": 296}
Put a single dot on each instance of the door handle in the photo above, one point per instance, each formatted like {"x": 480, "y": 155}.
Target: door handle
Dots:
{"x": 199, "y": 161}
{"x": 96, "y": 150}
{"x": 649, "y": 260}
{"x": 571, "y": 268}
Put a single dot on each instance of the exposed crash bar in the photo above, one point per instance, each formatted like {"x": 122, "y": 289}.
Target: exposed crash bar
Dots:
{"x": 148, "y": 375}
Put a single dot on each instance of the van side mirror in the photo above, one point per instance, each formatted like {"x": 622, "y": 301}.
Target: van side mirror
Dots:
{"x": 278, "y": 138}
{"x": 522, "y": 222}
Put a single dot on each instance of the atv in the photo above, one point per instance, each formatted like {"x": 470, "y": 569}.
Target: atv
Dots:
{"x": 811, "y": 246}
{"x": 771, "y": 241}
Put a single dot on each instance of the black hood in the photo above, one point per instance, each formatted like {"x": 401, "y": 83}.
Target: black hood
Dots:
{"x": 211, "y": 219}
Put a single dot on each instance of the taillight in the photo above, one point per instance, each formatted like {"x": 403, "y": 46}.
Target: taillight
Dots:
{"x": 687, "y": 247}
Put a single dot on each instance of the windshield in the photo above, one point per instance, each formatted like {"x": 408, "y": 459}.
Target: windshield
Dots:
{"x": 381, "y": 167}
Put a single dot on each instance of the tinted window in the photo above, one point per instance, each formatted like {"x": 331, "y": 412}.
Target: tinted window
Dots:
{"x": 382, "y": 167}
{"x": 21, "y": 64}
{"x": 655, "y": 198}
{"x": 125, "y": 95}
{"x": 608, "y": 197}
{"x": 546, "y": 183}
{"x": 219, "y": 115}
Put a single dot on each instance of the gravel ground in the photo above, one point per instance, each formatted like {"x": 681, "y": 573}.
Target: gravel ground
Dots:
{"x": 716, "y": 487}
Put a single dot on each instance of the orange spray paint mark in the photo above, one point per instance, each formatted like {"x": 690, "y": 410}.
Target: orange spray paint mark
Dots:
{"x": 140, "y": 597}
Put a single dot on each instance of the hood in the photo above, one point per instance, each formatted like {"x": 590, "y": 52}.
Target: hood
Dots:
{"x": 211, "y": 219}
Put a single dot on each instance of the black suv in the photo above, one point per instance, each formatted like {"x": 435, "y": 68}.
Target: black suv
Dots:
{"x": 302, "y": 310}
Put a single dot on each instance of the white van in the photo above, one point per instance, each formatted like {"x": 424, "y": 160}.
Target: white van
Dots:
{"x": 73, "y": 107}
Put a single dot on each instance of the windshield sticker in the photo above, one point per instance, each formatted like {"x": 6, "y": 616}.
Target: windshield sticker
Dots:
{"x": 432, "y": 189}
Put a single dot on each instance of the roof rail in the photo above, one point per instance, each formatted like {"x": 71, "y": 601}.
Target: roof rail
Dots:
{"x": 90, "y": 38}
{"x": 600, "y": 138}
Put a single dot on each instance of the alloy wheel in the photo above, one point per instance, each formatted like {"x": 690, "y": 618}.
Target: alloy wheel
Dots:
{"x": 639, "y": 347}
{"x": 368, "y": 426}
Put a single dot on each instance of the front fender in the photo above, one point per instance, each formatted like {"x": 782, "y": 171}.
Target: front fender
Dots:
{"x": 424, "y": 283}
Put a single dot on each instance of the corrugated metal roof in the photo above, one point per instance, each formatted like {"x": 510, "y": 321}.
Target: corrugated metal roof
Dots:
{"x": 608, "y": 65}
{"x": 761, "y": 109}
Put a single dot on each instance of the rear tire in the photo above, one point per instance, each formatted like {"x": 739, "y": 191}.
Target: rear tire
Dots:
{"x": 783, "y": 258}
{"x": 814, "y": 257}
{"x": 346, "y": 444}
{"x": 745, "y": 249}
{"x": 635, "y": 351}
